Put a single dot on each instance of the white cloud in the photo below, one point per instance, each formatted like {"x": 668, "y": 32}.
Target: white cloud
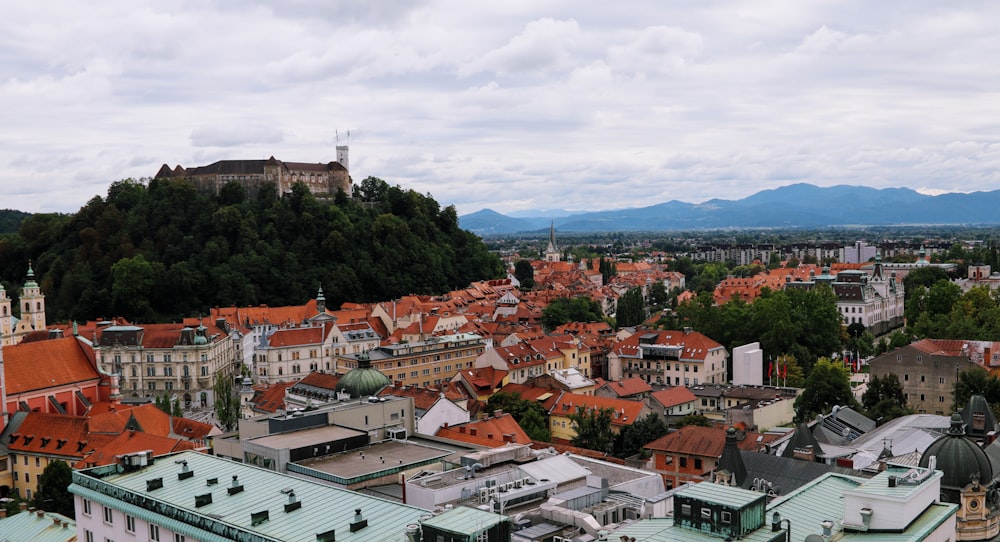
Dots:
{"x": 505, "y": 105}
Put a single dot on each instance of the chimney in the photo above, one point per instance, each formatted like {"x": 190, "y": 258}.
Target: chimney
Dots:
{"x": 808, "y": 453}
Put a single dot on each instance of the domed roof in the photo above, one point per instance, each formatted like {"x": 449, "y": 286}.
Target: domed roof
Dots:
{"x": 958, "y": 457}
{"x": 364, "y": 380}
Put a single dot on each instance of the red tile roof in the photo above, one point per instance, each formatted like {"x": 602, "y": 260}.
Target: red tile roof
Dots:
{"x": 625, "y": 412}
{"x": 300, "y": 336}
{"x": 270, "y": 398}
{"x": 628, "y": 387}
{"x": 493, "y": 432}
{"x": 673, "y": 396}
{"x": 131, "y": 442}
{"x": 705, "y": 441}
{"x": 47, "y": 364}
{"x": 55, "y": 434}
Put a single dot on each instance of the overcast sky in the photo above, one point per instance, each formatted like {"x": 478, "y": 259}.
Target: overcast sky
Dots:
{"x": 508, "y": 105}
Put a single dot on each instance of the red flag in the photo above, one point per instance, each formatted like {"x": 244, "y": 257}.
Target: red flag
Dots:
{"x": 770, "y": 369}
{"x": 784, "y": 371}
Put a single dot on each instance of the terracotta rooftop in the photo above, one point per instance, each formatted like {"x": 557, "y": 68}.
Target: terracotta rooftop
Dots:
{"x": 705, "y": 441}
{"x": 47, "y": 364}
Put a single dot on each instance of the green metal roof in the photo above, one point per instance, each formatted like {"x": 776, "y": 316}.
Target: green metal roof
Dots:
{"x": 228, "y": 517}
{"x": 463, "y": 520}
{"x": 725, "y": 495}
{"x": 29, "y": 526}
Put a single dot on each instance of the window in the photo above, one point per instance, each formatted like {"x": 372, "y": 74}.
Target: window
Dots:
{"x": 940, "y": 380}
{"x": 88, "y": 536}
{"x": 727, "y": 517}
{"x": 38, "y": 462}
{"x": 697, "y": 463}
{"x": 154, "y": 533}
{"x": 922, "y": 378}
{"x": 109, "y": 516}
{"x": 204, "y": 370}
{"x": 151, "y": 386}
{"x": 178, "y": 537}
{"x": 166, "y": 358}
{"x": 129, "y": 523}
{"x": 168, "y": 370}
{"x": 684, "y": 462}
{"x": 150, "y": 370}
{"x": 86, "y": 507}
{"x": 940, "y": 398}
{"x": 706, "y": 513}
{"x": 906, "y": 378}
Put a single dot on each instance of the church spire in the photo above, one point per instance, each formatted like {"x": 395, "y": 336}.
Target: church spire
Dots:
{"x": 552, "y": 251}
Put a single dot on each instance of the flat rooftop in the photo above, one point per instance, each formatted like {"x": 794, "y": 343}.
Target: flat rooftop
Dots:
{"x": 305, "y": 437}
{"x": 375, "y": 459}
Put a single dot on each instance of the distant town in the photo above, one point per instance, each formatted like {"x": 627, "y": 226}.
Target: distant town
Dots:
{"x": 585, "y": 396}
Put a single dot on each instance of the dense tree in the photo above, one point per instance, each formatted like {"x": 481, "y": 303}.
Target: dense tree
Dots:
{"x": 159, "y": 250}
{"x": 593, "y": 428}
{"x": 633, "y": 438}
{"x": 565, "y": 309}
{"x": 631, "y": 308}
{"x": 976, "y": 381}
{"x": 530, "y": 415}
{"x": 227, "y": 402}
{"x": 525, "y": 274}
{"x": 884, "y": 399}
{"x": 827, "y": 384}
{"x": 53, "y": 489}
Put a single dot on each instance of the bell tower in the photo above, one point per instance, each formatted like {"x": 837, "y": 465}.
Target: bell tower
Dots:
{"x": 6, "y": 318}
{"x": 32, "y": 302}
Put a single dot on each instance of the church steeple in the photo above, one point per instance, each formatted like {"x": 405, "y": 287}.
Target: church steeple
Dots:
{"x": 320, "y": 300}
{"x": 552, "y": 251}
{"x": 32, "y": 302}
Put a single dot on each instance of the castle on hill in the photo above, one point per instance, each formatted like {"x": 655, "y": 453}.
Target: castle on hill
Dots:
{"x": 323, "y": 180}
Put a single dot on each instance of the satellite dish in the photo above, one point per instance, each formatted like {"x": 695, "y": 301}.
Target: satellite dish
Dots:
{"x": 815, "y": 538}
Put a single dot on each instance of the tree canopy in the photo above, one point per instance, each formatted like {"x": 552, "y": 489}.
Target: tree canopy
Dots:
{"x": 884, "y": 399}
{"x": 571, "y": 309}
{"x": 159, "y": 250}
{"x": 593, "y": 428}
{"x": 530, "y": 415}
{"x": 53, "y": 489}
{"x": 827, "y": 385}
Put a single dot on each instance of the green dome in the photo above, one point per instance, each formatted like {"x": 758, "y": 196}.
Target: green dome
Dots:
{"x": 959, "y": 458}
{"x": 363, "y": 381}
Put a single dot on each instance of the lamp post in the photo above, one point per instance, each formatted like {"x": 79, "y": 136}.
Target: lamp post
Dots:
{"x": 776, "y": 520}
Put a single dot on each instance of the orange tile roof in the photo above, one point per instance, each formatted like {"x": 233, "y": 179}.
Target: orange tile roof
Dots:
{"x": 628, "y": 386}
{"x": 270, "y": 398}
{"x": 47, "y": 364}
{"x": 705, "y": 441}
{"x": 131, "y": 442}
{"x": 625, "y": 412}
{"x": 493, "y": 432}
{"x": 695, "y": 345}
{"x": 55, "y": 434}
{"x": 300, "y": 336}
{"x": 673, "y": 396}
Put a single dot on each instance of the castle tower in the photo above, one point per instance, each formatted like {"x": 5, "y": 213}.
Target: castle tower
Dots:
{"x": 32, "y": 303}
{"x": 342, "y": 156}
{"x": 552, "y": 251}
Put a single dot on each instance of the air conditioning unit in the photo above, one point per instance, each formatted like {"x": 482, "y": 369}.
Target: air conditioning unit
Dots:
{"x": 510, "y": 486}
{"x": 484, "y": 495}
{"x": 517, "y": 484}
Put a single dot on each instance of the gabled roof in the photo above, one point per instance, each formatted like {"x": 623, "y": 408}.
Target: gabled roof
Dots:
{"x": 693, "y": 345}
{"x": 705, "y": 441}
{"x": 625, "y": 412}
{"x": 628, "y": 386}
{"x": 47, "y": 364}
{"x": 131, "y": 442}
{"x": 54, "y": 434}
{"x": 493, "y": 432}
{"x": 299, "y": 336}
{"x": 270, "y": 398}
{"x": 677, "y": 395}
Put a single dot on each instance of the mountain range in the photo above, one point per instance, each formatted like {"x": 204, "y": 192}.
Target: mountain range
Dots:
{"x": 794, "y": 206}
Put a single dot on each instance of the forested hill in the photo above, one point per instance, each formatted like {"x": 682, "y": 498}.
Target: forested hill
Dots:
{"x": 162, "y": 251}
{"x": 10, "y": 220}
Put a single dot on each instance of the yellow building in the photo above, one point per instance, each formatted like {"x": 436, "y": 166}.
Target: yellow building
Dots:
{"x": 426, "y": 363}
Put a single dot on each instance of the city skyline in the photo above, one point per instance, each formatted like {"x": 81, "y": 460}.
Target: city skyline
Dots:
{"x": 511, "y": 107}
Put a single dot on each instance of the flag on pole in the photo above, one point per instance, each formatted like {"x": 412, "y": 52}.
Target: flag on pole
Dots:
{"x": 770, "y": 369}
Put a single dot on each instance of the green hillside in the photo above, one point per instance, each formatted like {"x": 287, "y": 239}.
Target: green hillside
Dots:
{"x": 161, "y": 251}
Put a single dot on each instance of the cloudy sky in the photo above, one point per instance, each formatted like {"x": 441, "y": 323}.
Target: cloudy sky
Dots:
{"x": 508, "y": 105}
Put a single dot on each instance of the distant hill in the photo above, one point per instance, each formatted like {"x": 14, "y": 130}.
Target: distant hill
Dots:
{"x": 793, "y": 206}
{"x": 10, "y": 220}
